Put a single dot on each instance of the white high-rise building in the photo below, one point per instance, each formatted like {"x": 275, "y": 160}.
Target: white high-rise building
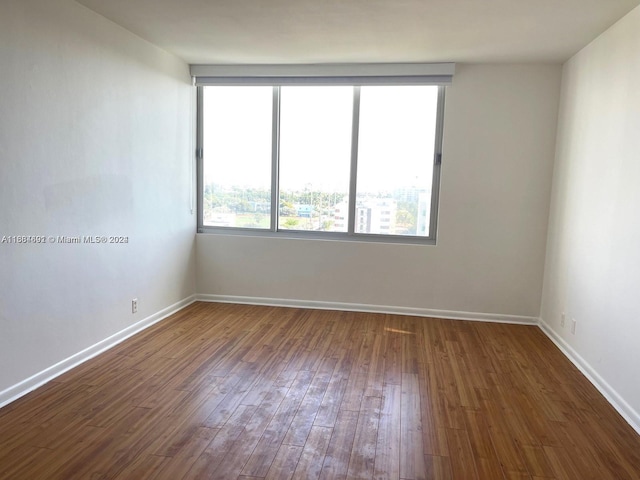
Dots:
{"x": 375, "y": 215}
{"x": 341, "y": 213}
{"x": 424, "y": 214}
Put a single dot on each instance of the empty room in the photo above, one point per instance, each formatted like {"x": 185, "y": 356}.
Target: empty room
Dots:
{"x": 319, "y": 239}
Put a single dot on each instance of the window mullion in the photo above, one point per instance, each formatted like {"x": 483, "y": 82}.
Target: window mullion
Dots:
{"x": 199, "y": 155}
{"x": 275, "y": 160}
{"x": 353, "y": 174}
{"x": 437, "y": 164}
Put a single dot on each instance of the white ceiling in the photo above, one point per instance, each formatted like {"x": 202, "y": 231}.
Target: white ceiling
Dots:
{"x": 362, "y": 31}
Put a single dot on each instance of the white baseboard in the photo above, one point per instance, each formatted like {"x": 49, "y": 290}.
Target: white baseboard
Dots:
{"x": 361, "y": 307}
{"x": 622, "y": 407}
{"x": 18, "y": 390}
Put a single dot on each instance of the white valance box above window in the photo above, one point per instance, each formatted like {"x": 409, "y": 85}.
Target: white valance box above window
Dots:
{"x": 321, "y": 74}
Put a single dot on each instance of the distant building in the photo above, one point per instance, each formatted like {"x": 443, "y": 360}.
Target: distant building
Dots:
{"x": 341, "y": 213}
{"x": 262, "y": 207}
{"x": 408, "y": 194}
{"x": 304, "y": 210}
{"x": 375, "y": 215}
{"x": 424, "y": 215}
{"x": 221, "y": 219}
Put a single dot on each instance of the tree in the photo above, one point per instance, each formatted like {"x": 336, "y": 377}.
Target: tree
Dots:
{"x": 405, "y": 218}
{"x": 287, "y": 209}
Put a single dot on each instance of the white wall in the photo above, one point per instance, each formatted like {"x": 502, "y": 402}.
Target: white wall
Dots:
{"x": 94, "y": 140}
{"x": 593, "y": 262}
{"x": 500, "y": 126}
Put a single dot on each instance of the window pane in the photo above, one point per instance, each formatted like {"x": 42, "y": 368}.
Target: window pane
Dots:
{"x": 315, "y": 157}
{"x": 237, "y": 126}
{"x": 395, "y": 159}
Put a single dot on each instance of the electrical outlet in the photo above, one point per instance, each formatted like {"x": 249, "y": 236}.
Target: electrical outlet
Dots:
{"x": 134, "y": 305}
{"x": 562, "y": 317}
{"x": 573, "y": 326}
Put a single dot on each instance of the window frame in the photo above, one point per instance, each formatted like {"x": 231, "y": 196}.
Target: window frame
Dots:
{"x": 351, "y": 234}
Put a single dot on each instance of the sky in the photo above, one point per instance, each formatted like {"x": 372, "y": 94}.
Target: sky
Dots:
{"x": 395, "y": 147}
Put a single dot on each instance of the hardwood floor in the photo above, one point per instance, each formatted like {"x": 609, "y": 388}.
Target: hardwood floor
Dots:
{"x": 248, "y": 392}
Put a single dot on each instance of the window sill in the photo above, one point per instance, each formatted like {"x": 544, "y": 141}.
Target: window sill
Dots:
{"x": 322, "y": 236}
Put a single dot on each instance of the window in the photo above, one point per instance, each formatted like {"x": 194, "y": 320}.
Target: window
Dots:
{"x": 315, "y": 156}
{"x": 237, "y": 171}
{"x": 320, "y": 159}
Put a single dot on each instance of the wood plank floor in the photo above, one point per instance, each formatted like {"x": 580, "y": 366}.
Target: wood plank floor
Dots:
{"x": 249, "y": 392}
